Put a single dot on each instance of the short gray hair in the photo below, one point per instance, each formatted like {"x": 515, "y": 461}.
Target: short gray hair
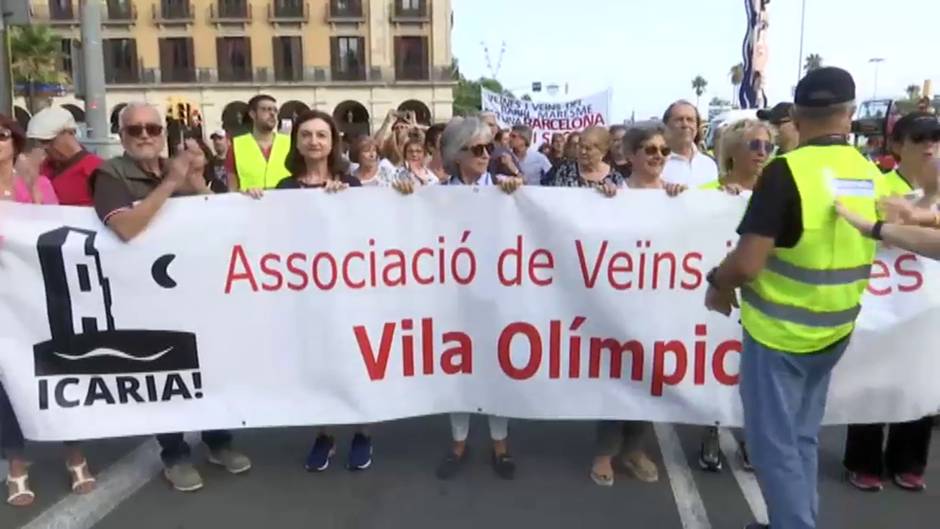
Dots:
{"x": 135, "y": 105}
{"x": 456, "y": 136}
{"x": 823, "y": 113}
{"x": 525, "y": 131}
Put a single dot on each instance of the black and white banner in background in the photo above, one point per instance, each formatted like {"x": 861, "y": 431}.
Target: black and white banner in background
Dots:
{"x": 305, "y": 308}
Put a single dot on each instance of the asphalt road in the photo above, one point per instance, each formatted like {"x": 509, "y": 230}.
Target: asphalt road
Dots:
{"x": 552, "y": 488}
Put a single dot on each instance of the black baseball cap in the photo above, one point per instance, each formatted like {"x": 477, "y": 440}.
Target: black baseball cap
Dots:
{"x": 916, "y": 124}
{"x": 780, "y": 113}
{"x": 825, "y": 87}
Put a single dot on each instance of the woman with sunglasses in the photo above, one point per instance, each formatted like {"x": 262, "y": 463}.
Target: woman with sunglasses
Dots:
{"x": 646, "y": 151}
{"x": 588, "y": 169}
{"x": 869, "y": 456}
{"x": 744, "y": 148}
{"x": 466, "y": 146}
{"x": 20, "y": 182}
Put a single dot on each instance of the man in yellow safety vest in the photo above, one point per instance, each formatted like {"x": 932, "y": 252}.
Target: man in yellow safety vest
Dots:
{"x": 257, "y": 158}
{"x": 802, "y": 271}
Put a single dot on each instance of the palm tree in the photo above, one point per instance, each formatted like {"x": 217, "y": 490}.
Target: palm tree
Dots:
{"x": 913, "y": 92}
{"x": 699, "y": 84}
{"x": 813, "y": 62}
{"x": 35, "y": 55}
{"x": 737, "y": 77}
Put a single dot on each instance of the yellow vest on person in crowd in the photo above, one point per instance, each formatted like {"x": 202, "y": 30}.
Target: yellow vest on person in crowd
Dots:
{"x": 895, "y": 184}
{"x": 807, "y": 297}
{"x": 713, "y": 185}
{"x": 254, "y": 172}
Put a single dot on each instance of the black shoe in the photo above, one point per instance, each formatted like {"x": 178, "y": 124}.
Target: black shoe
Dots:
{"x": 709, "y": 456}
{"x": 451, "y": 464}
{"x": 745, "y": 457}
{"x": 504, "y": 466}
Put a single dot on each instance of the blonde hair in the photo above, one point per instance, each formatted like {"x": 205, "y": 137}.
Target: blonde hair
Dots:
{"x": 732, "y": 136}
{"x": 599, "y": 136}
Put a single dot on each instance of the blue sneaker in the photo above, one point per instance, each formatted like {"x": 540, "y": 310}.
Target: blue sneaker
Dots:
{"x": 319, "y": 457}
{"x": 360, "y": 452}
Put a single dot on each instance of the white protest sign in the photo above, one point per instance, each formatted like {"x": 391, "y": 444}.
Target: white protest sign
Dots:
{"x": 546, "y": 119}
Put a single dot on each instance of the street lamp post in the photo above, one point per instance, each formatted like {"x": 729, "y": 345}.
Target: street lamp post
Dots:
{"x": 876, "y": 61}
{"x": 799, "y": 64}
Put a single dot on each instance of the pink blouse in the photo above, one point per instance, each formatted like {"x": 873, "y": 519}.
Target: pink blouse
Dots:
{"x": 21, "y": 192}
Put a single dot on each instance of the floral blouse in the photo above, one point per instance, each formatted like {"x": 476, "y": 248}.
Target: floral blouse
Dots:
{"x": 567, "y": 174}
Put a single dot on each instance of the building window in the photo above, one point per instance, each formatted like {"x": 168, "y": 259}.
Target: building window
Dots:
{"x": 61, "y": 10}
{"x": 348, "y": 58}
{"x": 176, "y": 60}
{"x": 289, "y": 8}
{"x": 120, "y": 10}
{"x": 234, "y": 58}
{"x": 120, "y": 61}
{"x": 288, "y": 59}
{"x": 65, "y": 58}
{"x": 411, "y": 58}
{"x": 175, "y": 9}
{"x": 411, "y": 8}
{"x": 235, "y": 9}
{"x": 346, "y": 8}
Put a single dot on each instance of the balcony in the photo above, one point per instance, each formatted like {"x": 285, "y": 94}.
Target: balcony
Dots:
{"x": 410, "y": 11}
{"x": 345, "y": 12}
{"x": 288, "y": 13}
{"x": 168, "y": 13}
{"x": 228, "y": 12}
{"x": 56, "y": 13}
{"x": 120, "y": 13}
{"x": 178, "y": 75}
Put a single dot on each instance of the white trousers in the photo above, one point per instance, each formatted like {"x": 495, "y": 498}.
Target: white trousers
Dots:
{"x": 460, "y": 427}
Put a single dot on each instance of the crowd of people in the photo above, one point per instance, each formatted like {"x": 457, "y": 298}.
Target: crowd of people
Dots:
{"x": 48, "y": 165}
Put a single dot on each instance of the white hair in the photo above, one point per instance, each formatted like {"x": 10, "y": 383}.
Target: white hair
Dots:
{"x": 135, "y": 105}
{"x": 456, "y": 136}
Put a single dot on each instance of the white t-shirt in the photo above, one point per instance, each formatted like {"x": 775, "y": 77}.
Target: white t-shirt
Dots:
{"x": 701, "y": 169}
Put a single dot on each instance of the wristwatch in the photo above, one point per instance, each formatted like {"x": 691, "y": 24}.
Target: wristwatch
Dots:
{"x": 876, "y": 230}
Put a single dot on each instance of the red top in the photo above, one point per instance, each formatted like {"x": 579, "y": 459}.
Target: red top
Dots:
{"x": 70, "y": 179}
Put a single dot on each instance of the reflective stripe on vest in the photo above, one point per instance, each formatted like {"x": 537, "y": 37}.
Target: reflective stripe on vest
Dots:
{"x": 256, "y": 172}
{"x": 807, "y": 297}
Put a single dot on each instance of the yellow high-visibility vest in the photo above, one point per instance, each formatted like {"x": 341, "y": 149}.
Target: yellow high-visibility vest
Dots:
{"x": 254, "y": 172}
{"x": 808, "y": 297}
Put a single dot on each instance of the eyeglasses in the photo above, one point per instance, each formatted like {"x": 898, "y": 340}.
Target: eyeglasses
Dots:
{"x": 478, "y": 150}
{"x": 5, "y": 135}
{"x": 924, "y": 137}
{"x": 652, "y": 150}
{"x": 137, "y": 131}
{"x": 760, "y": 146}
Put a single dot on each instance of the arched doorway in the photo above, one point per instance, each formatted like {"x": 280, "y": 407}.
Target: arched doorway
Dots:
{"x": 235, "y": 118}
{"x": 77, "y": 113}
{"x": 21, "y": 116}
{"x": 422, "y": 112}
{"x": 352, "y": 118}
{"x": 289, "y": 111}
{"x": 116, "y": 117}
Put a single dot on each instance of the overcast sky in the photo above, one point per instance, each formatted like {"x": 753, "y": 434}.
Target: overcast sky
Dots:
{"x": 648, "y": 51}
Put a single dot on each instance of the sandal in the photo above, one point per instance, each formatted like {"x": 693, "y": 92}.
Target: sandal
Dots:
{"x": 602, "y": 480}
{"x": 504, "y": 466}
{"x": 22, "y": 491}
{"x": 81, "y": 476}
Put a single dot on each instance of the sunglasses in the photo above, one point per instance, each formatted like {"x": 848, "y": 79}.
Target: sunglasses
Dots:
{"x": 760, "y": 146}
{"x": 652, "y": 150}
{"x": 924, "y": 137}
{"x": 478, "y": 150}
{"x": 137, "y": 131}
{"x": 5, "y": 135}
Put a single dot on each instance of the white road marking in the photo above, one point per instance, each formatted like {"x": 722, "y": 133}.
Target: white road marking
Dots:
{"x": 115, "y": 484}
{"x": 746, "y": 480}
{"x": 688, "y": 500}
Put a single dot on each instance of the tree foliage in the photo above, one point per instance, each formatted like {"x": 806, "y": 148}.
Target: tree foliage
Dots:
{"x": 467, "y": 99}
{"x": 813, "y": 62}
{"x": 35, "y": 54}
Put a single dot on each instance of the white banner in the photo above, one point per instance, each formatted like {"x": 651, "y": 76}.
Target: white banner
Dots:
{"x": 305, "y": 308}
{"x": 546, "y": 119}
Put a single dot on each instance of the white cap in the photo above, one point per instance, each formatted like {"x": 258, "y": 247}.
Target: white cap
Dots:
{"x": 218, "y": 132}
{"x": 49, "y": 122}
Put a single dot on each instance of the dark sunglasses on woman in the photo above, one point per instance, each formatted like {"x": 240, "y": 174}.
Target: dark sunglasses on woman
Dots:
{"x": 652, "y": 150}
{"x": 760, "y": 146}
{"x": 477, "y": 150}
{"x": 137, "y": 131}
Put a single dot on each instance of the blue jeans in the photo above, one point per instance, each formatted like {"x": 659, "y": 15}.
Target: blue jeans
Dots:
{"x": 784, "y": 398}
